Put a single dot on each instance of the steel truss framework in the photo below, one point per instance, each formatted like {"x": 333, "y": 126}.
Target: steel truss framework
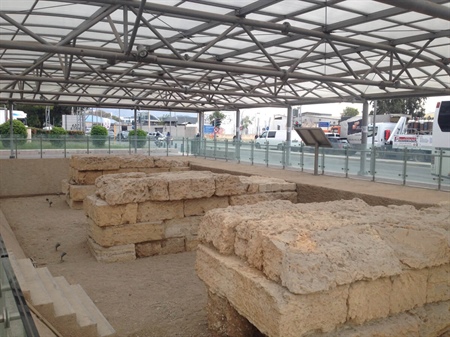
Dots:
{"x": 203, "y": 55}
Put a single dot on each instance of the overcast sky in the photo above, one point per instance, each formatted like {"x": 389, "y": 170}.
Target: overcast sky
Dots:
{"x": 335, "y": 109}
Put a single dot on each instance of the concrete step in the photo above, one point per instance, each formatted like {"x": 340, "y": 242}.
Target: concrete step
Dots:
{"x": 87, "y": 326}
{"x": 19, "y": 276}
{"x": 39, "y": 296}
{"x": 64, "y": 318}
{"x": 104, "y": 328}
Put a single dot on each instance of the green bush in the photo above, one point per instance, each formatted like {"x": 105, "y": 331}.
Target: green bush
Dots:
{"x": 19, "y": 131}
{"x": 141, "y": 137}
{"x": 99, "y": 135}
{"x": 56, "y": 136}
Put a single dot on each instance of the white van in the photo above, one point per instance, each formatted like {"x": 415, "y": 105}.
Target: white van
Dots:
{"x": 276, "y": 138}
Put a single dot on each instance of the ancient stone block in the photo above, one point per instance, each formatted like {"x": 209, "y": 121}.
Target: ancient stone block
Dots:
{"x": 80, "y": 192}
{"x": 94, "y": 162}
{"x": 268, "y": 306}
{"x": 180, "y": 169}
{"x": 136, "y": 161}
{"x": 182, "y": 227}
{"x": 438, "y": 286}
{"x": 162, "y": 247}
{"x": 84, "y": 177}
{"x": 249, "y": 199}
{"x": 191, "y": 243}
{"x": 201, "y": 206}
{"x": 432, "y": 250}
{"x": 74, "y": 204}
{"x": 170, "y": 163}
{"x": 125, "y": 234}
{"x": 160, "y": 210}
{"x": 103, "y": 214}
{"x": 409, "y": 290}
{"x": 132, "y": 188}
{"x": 393, "y": 326}
{"x": 190, "y": 185}
{"x": 65, "y": 186}
{"x": 434, "y": 319}
{"x": 152, "y": 170}
{"x": 369, "y": 300}
{"x": 225, "y": 321}
{"x": 227, "y": 184}
{"x": 112, "y": 254}
{"x": 146, "y": 249}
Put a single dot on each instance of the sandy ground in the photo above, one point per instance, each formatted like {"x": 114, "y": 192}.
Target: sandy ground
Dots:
{"x": 156, "y": 296}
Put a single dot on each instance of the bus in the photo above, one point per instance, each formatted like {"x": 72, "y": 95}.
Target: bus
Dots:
{"x": 440, "y": 162}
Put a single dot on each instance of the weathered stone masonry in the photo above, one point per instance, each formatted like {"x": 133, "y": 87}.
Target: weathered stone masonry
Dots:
{"x": 329, "y": 269}
{"x": 137, "y": 214}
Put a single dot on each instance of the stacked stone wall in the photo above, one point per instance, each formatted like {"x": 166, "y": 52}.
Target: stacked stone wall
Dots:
{"x": 139, "y": 214}
{"x": 85, "y": 169}
{"x": 340, "y": 268}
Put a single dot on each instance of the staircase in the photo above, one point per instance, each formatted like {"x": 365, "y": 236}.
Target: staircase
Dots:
{"x": 66, "y": 307}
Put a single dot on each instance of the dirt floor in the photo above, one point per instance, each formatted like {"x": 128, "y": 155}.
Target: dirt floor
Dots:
{"x": 157, "y": 296}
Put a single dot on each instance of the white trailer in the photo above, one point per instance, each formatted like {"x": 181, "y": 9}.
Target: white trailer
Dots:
{"x": 17, "y": 114}
{"x": 440, "y": 161}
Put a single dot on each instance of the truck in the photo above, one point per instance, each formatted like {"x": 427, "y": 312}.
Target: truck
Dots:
{"x": 414, "y": 135}
{"x": 17, "y": 114}
{"x": 440, "y": 160}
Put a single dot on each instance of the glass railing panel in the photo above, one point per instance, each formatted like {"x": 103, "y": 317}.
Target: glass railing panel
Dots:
{"x": 15, "y": 317}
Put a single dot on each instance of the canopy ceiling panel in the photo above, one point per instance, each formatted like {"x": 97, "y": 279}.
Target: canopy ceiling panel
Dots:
{"x": 205, "y": 55}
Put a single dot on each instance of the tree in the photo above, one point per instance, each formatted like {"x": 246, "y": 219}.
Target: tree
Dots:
{"x": 349, "y": 112}
{"x": 413, "y": 106}
{"x": 216, "y": 118}
{"x": 99, "y": 135}
{"x": 19, "y": 132}
{"x": 246, "y": 122}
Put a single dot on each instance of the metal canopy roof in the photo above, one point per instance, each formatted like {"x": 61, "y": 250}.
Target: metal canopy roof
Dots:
{"x": 197, "y": 55}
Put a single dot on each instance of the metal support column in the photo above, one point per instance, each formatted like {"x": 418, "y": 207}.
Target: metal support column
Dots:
{"x": 135, "y": 129}
{"x": 288, "y": 136}
{"x": 11, "y": 130}
{"x": 365, "y": 119}
{"x": 237, "y": 146}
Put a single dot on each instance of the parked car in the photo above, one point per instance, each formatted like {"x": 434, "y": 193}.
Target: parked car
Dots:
{"x": 340, "y": 144}
{"x": 276, "y": 138}
{"x": 122, "y": 135}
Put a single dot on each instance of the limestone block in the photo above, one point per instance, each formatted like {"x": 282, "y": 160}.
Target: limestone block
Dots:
{"x": 162, "y": 247}
{"x": 432, "y": 250}
{"x": 369, "y": 300}
{"x": 125, "y": 234}
{"x": 438, "y": 286}
{"x": 170, "y": 163}
{"x": 394, "y": 326}
{"x": 94, "y": 162}
{"x": 201, "y": 206}
{"x": 225, "y": 321}
{"x": 125, "y": 170}
{"x": 114, "y": 175}
{"x": 152, "y": 170}
{"x": 180, "y": 169}
{"x": 84, "y": 177}
{"x": 65, "y": 186}
{"x": 434, "y": 319}
{"x": 321, "y": 260}
{"x": 409, "y": 290}
{"x": 80, "y": 192}
{"x": 136, "y": 161}
{"x": 191, "y": 244}
{"x": 103, "y": 214}
{"x": 184, "y": 227}
{"x": 268, "y": 306}
{"x": 227, "y": 184}
{"x": 249, "y": 199}
{"x": 190, "y": 185}
{"x": 74, "y": 204}
{"x": 112, "y": 254}
{"x": 125, "y": 189}
{"x": 160, "y": 210}
{"x": 146, "y": 249}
